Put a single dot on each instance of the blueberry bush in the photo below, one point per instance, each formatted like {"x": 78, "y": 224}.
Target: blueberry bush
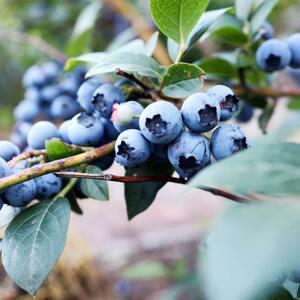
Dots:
{"x": 144, "y": 104}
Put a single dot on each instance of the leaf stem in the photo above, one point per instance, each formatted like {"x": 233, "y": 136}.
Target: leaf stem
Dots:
{"x": 139, "y": 179}
{"x": 26, "y": 155}
{"x": 66, "y": 189}
{"x": 56, "y": 166}
{"x": 180, "y": 53}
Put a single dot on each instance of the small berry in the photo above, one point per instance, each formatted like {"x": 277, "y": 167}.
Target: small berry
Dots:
{"x": 27, "y": 110}
{"x": 40, "y": 132}
{"x": 47, "y": 186}
{"x": 294, "y": 46}
{"x": 227, "y": 140}
{"x": 105, "y": 97}
{"x": 131, "y": 148}
{"x": 63, "y": 131}
{"x": 228, "y": 101}
{"x": 189, "y": 153}
{"x": 200, "y": 112}
{"x": 86, "y": 130}
{"x": 64, "y": 107}
{"x": 161, "y": 122}
{"x": 273, "y": 55}
{"x": 266, "y": 31}
{"x": 8, "y": 150}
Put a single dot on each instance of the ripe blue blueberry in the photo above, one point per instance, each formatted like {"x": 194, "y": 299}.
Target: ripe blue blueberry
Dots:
{"x": 110, "y": 132}
{"x": 86, "y": 130}
{"x": 63, "y": 131}
{"x": 273, "y": 55}
{"x": 267, "y": 31}
{"x": 228, "y": 101}
{"x": 8, "y": 150}
{"x": 294, "y": 46}
{"x": 86, "y": 91}
{"x": 51, "y": 70}
{"x": 201, "y": 112}
{"x": 32, "y": 93}
{"x": 27, "y": 110}
{"x": 105, "y": 97}
{"x": 189, "y": 153}
{"x": 131, "y": 148}
{"x": 4, "y": 169}
{"x": 64, "y": 107}
{"x": 227, "y": 140}
{"x": 125, "y": 116}
{"x": 49, "y": 93}
{"x": 34, "y": 76}
{"x": 40, "y": 132}
{"x": 161, "y": 122}
{"x": 47, "y": 186}
{"x": 21, "y": 194}
{"x": 245, "y": 114}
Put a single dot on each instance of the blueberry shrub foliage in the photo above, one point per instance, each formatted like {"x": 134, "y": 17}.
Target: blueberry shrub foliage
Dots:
{"x": 163, "y": 120}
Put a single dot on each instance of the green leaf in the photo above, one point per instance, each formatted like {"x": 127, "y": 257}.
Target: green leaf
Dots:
{"x": 182, "y": 80}
{"x": 140, "y": 64}
{"x": 207, "y": 19}
{"x": 83, "y": 29}
{"x": 92, "y": 188}
{"x": 294, "y": 103}
{"x": 151, "y": 44}
{"x": 261, "y": 14}
{"x": 262, "y": 250}
{"x": 57, "y": 149}
{"x": 229, "y": 30}
{"x": 146, "y": 270}
{"x": 121, "y": 39}
{"x": 243, "y": 8}
{"x": 265, "y": 118}
{"x": 177, "y": 18}
{"x": 139, "y": 196}
{"x": 92, "y": 58}
{"x": 217, "y": 67}
{"x": 34, "y": 241}
{"x": 276, "y": 168}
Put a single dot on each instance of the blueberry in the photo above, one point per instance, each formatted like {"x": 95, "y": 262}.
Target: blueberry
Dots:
{"x": 34, "y": 76}
{"x": 104, "y": 162}
{"x": 21, "y": 194}
{"x": 227, "y": 140}
{"x": 110, "y": 131}
{"x": 131, "y": 148}
{"x": 50, "y": 92}
{"x": 47, "y": 186}
{"x": 273, "y": 55}
{"x": 294, "y": 46}
{"x": 200, "y": 112}
{"x": 105, "y": 97}
{"x": 27, "y": 110}
{"x": 245, "y": 114}
{"x": 32, "y": 93}
{"x": 63, "y": 131}
{"x": 126, "y": 115}
{"x": 228, "y": 101}
{"x": 267, "y": 31}
{"x": 4, "y": 169}
{"x": 86, "y": 130}
{"x": 69, "y": 85}
{"x": 86, "y": 91}
{"x": 161, "y": 122}
{"x": 18, "y": 137}
{"x": 64, "y": 107}
{"x": 189, "y": 153}
{"x": 51, "y": 70}
{"x": 40, "y": 132}
{"x": 8, "y": 150}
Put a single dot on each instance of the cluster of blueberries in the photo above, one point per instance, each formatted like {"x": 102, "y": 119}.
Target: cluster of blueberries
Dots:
{"x": 274, "y": 54}
{"x": 160, "y": 132}
{"x": 49, "y": 94}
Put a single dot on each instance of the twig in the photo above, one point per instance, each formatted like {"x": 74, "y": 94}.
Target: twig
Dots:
{"x": 142, "y": 28}
{"x": 34, "y": 41}
{"x": 139, "y": 179}
{"x": 133, "y": 79}
{"x": 56, "y": 166}
{"x": 26, "y": 155}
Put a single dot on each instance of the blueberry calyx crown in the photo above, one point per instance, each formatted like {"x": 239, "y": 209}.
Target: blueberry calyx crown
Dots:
{"x": 100, "y": 103}
{"x": 188, "y": 163}
{"x": 240, "y": 144}
{"x": 125, "y": 150}
{"x": 156, "y": 125}
{"x": 230, "y": 103}
{"x": 208, "y": 115}
{"x": 273, "y": 61}
{"x": 87, "y": 120}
